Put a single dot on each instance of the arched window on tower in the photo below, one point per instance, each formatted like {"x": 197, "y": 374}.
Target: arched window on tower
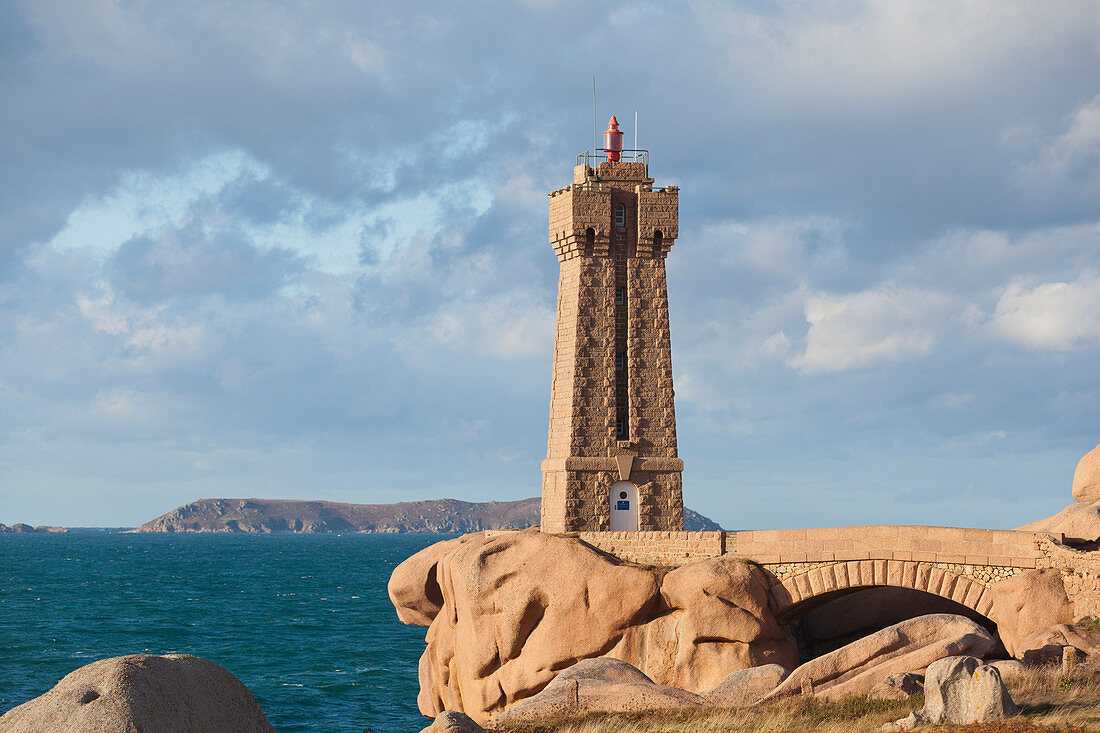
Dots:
{"x": 657, "y": 237}
{"x": 589, "y": 241}
{"x": 620, "y": 215}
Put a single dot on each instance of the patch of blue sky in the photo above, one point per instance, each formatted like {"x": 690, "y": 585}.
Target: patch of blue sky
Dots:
{"x": 145, "y": 202}
{"x": 338, "y": 249}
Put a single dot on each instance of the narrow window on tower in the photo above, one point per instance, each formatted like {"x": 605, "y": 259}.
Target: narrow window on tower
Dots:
{"x": 620, "y": 363}
{"x": 620, "y": 215}
{"x": 589, "y": 241}
{"x": 620, "y": 427}
{"x": 620, "y": 296}
{"x": 657, "y": 237}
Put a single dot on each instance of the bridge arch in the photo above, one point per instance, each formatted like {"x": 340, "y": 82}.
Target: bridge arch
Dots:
{"x": 805, "y": 590}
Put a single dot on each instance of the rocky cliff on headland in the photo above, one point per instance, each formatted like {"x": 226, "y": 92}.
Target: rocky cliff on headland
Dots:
{"x": 444, "y": 516}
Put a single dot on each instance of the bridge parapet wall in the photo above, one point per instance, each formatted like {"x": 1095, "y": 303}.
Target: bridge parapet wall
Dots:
{"x": 948, "y": 545}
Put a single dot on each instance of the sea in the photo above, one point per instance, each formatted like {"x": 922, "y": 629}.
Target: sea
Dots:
{"x": 302, "y": 619}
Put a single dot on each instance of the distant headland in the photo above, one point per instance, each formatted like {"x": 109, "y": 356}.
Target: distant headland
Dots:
{"x": 444, "y": 516}
{"x": 26, "y": 528}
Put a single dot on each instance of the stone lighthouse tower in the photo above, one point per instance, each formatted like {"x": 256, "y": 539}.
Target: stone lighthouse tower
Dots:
{"x": 611, "y": 460}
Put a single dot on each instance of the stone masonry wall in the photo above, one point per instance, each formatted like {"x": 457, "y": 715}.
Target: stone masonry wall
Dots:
{"x": 658, "y": 548}
{"x": 1080, "y": 575}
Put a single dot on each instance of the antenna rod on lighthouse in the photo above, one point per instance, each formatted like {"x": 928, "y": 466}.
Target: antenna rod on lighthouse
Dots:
{"x": 635, "y": 134}
{"x": 595, "y": 126}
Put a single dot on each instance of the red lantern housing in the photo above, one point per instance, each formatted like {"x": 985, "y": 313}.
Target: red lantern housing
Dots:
{"x": 613, "y": 140}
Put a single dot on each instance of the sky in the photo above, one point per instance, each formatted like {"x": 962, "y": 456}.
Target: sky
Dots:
{"x": 299, "y": 250}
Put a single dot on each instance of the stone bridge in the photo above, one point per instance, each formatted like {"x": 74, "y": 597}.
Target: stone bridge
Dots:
{"x": 809, "y": 567}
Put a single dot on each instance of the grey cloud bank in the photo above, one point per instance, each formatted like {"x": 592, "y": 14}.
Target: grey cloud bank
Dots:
{"x": 301, "y": 251}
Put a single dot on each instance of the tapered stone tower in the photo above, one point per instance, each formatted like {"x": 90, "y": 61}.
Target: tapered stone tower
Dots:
{"x": 611, "y": 460}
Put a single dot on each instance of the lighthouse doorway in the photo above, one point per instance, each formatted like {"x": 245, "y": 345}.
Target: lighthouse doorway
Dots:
{"x": 624, "y": 507}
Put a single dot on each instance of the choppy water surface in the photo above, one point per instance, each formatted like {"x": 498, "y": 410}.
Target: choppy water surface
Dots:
{"x": 302, "y": 620}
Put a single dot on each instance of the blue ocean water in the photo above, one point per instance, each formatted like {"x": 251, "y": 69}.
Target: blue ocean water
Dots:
{"x": 303, "y": 620}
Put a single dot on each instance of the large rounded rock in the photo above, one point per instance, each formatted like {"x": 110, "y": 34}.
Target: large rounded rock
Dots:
{"x": 1026, "y": 603}
{"x": 171, "y": 694}
{"x": 1086, "y": 479}
{"x": 714, "y": 619}
{"x": 508, "y": 610}
{"x": 516, "y": 608}
{"x": 909, "y": 646}
{"x": 1078, "y": 522}
{"x": 597, "y": 685}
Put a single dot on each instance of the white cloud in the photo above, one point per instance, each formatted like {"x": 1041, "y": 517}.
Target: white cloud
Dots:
{"x": 782, "y": 248}
{"x": 887, "y": 324}
{"x": 1056, "y": 316}
{"x": 867, "y": 52}
{"x": 1071, "y": 157}
{"x": 150, "y": 339}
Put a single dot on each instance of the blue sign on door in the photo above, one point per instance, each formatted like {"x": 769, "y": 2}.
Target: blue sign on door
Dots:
{"x": 622, "y": 505}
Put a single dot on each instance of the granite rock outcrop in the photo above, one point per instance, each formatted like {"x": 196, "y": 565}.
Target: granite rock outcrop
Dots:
{"x": 507, "y": 611}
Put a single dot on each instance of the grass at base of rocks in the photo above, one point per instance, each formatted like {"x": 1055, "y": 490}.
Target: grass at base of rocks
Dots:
{"x": 1015, "y": 725}
{"x": 1050, "y": 702}
{"x": 791, "y": 714}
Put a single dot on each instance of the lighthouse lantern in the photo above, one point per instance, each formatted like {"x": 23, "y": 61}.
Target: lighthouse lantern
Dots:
{"x": 613, "y": 140}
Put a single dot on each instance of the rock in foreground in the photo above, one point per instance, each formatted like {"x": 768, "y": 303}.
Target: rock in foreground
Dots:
{"x": 958, "y": 691}
{"x": 176, "y": 693}
{"x": 909, "y": 646}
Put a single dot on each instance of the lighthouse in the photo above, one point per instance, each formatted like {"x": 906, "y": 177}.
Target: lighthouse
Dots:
{"x": 611, "y": 461}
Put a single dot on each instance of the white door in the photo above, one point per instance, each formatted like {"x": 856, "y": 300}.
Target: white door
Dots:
{"x": 624, "y": 507}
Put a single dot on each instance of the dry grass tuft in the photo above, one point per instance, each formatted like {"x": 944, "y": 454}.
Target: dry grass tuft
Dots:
{"x": 1049, "y": 702}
